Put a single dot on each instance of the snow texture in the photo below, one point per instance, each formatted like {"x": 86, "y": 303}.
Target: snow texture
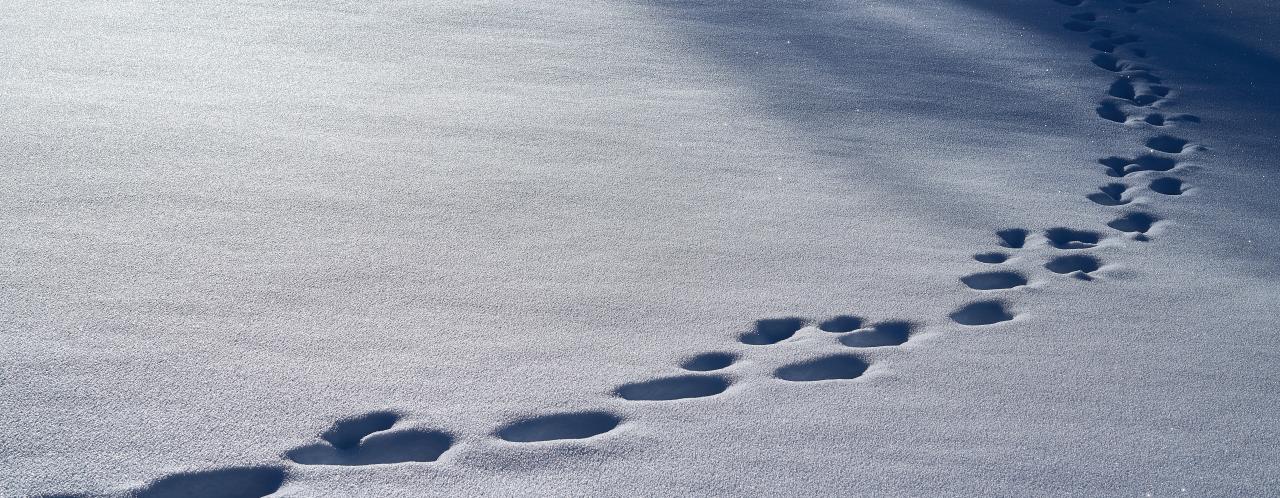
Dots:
{"x": 639, "y": 248}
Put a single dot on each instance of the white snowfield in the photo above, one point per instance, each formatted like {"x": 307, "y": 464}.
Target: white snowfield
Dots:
{"x": 639, "y": 248}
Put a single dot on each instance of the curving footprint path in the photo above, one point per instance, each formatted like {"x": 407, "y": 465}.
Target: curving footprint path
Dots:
{"x": 1135, "y": 99}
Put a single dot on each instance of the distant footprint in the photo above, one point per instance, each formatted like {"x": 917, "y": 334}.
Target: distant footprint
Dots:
{"x": 235, "y": 482}
{"x": 1078, "y": 265}
{"x": 773, "y": 330}
{"x": 833, "y": 367}
{"x": 982, "y": 313}
{"x": 994, "y": 280}
{"x": 879, "y": 335}
{"x": 366, "y": 440}
{"x": 1066, "y": 238}
{"x": 1119, "y": 166}
{"x": 1167, "y": 186}
{"x": 1111, "y": 194}
{"x": 558, "y": 426}
{"x": 707, "y": 362}
{"x": 673, "y": 388}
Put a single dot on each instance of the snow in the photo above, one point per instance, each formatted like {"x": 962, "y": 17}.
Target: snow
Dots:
{"x": 465, "y": 248}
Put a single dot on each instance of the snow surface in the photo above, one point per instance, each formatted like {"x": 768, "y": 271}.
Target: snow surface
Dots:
{"x": 324, "y": 248}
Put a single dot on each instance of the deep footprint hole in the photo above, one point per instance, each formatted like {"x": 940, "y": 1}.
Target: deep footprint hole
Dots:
{"x": 982, "y": 313}
{"x": 347, "y": 432}
{"x": 1167, "y": 144}
{"x": 880, "y": 335}
{"x": 1013, "y": 238}
{"x": 842, "y": 323}
{"x": 1136, "y": 222}
{"x": 991, "y": 258}
{"x": 576, "y": 425}
{"x": 1066, "y": 238}
{"x": 672, "y": 388}
{"x": 1111, "y": 194}
{"x": 773, "y": 330}
{"x": 403, "y": 446}
{"x": 834, "y": 367}
{"x": 1074, "y": 263}
{"x": 1167, "y": 186}
{"x": 236, "y": 482}
{"x": 994, "y": 280}
{"x": 706, "y": 362}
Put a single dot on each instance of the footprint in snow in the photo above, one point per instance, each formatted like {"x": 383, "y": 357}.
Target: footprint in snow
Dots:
{"x": 367, "y": 440}
{"x": 233, "y": 482}
{"x": 982, "y": 313}
{"x": 1111, "y": 194}
{"x": 559, "y": 426}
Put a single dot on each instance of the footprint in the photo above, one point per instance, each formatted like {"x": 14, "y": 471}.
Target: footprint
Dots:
{"x": 833, "y": 367}
{"x": 1167, "y": 186}
{"x": 1136, "y": 222}
{"x": 773, "y": 330}
{"x": 1013, "y": 238}
{"x": 1141, "y": 95}
{"x": 1111, "y": 110}
{"x": 1111, "y": 194}
{"x": 1159, "y": 119}
{"x": 880, "y": 335}
{"x": 1167, "y": 144}
{"x": 994, "y": 280}
{"x": 991, "y": 258}
{"x": 1119, "y": 166}
{"x": 365, "y": 440}
{"x": 982, "y": 313}
{"x": 1117, "y": 65}
{"x": 234, "y": 482}
{"x": 707, "y": 362}
{"x": 1066, "y": 238}
{"x": 347, "y": 433}
{"x": 672, "y": 388}
{"x": 1079, "y": 265}
{"x": 1122, "y": 89}
{"x": 558, "y": 426}
{"x": 842, "y": 323}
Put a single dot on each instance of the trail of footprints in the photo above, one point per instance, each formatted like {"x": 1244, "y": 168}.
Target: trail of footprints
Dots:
{"x": 1136, "y": 98}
